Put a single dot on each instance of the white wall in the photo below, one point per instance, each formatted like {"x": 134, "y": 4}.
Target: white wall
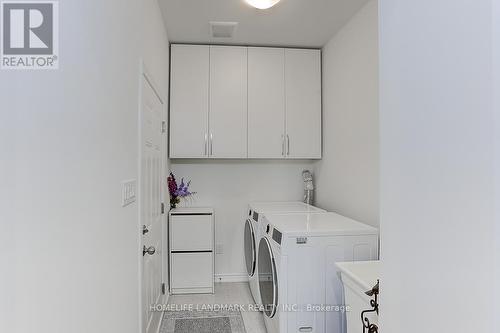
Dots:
{"x": 71, "y": 252}
{"x": 347, "y": 179}
{"x": 496, "y": 110}
{"x": 437, "y": 167}
{"x": 229, "y": 186}
{"x": 74, "y": 248}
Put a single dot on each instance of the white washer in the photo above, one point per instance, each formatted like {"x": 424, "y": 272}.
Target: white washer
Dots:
{"x": 256, "y": 211}
{"x": 298, "y": 278}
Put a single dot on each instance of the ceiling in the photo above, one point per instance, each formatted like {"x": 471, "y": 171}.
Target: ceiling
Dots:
{"x": 300, "y": 23}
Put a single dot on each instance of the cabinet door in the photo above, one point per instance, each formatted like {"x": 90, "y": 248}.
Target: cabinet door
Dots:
{"x": 192, "y": 271}
{"x": 303, "y": 103}
{"x": 191, "y": 232}
{"x": 228, "y": 102}
{"x": 189, "y": 101}
{"x": 266, "y": 102}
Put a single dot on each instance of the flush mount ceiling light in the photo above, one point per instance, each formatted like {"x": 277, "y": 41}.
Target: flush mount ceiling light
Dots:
{"x": 262, "y": 4}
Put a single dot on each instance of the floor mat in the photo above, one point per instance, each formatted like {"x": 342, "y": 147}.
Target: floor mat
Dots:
{"x": 220, "y": 321}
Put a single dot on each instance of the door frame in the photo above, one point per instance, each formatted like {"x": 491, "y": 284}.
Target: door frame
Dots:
{"x": 144, "y": 73}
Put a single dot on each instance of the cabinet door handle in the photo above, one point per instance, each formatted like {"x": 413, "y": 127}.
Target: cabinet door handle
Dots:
{"x": 287, "y": 145}
{"x": 205, "y": 146}
{"x": 282, "y": 145}
{"x": 211, "y": 144}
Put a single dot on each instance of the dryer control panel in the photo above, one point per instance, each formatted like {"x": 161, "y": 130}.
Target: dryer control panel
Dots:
{"x": 277, "y": 235}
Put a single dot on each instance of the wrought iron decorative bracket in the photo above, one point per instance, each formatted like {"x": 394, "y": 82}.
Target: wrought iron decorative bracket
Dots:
{"x": 367, "y": 326}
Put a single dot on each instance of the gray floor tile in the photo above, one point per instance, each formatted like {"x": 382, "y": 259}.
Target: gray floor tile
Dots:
{"x": 227, "y": 293}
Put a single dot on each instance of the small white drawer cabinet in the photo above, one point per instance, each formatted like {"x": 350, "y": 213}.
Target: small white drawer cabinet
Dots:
{"x": 191, "y": 239}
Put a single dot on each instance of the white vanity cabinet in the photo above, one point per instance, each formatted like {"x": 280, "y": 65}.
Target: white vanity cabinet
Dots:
{"x": 238, "y": 102}
{"x": 191, "y": 239}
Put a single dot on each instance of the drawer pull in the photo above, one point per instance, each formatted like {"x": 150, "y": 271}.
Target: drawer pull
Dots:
{"x": 305, "y": 329}
{"x": 194, "y": 251}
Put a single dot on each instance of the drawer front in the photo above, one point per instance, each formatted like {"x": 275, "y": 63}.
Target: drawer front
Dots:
{"x": 191, "y": 232}
{"x": 192, "y": 270}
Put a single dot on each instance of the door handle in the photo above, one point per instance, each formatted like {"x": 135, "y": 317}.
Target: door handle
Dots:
{"x": 145, "y": 230}
{"x": 149, "y": 250}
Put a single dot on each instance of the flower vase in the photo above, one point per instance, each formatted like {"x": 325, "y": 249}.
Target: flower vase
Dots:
{"x": 173, "y": 202}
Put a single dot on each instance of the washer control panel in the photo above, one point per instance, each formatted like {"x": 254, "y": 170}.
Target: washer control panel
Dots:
{"x": 255, "y": 216}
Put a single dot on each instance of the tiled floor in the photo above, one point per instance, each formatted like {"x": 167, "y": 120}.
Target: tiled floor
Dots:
{"x": 226, "y": 294}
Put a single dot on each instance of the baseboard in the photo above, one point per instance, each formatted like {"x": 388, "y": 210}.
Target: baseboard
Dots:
{"x": 234, "y": 277}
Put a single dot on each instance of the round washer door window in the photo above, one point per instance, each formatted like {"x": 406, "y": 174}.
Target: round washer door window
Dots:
{"x": 249, "y": 243}
{"x": 268, "y": 284}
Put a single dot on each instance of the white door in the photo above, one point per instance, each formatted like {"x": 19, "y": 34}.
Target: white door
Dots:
{"x": 303, "y": 103}
{"x": 266, "y": 102}
{"x": 228, "y": 102}
{"x": 189, "y": 101}
{"x": 150, "y": 183}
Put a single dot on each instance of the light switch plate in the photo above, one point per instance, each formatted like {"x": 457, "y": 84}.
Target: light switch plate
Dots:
{"x": 128, "y": 192}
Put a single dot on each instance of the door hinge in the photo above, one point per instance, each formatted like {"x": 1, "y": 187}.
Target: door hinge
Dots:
{"x": 163, "y": 126}
{"x": 163, "y": 288}
{"x": 162, "y": 208}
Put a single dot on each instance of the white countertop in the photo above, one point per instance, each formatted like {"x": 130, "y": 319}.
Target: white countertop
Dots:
{"x": 283, "y": 207}
{"x": 192, "y": 210}
{"x": 364, "y": 273}
{"x": 318, "y": 224}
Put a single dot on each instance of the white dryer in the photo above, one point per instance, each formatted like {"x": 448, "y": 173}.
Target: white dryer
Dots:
{"x": 298, "y": 280}
{"x": 256, "y": 211}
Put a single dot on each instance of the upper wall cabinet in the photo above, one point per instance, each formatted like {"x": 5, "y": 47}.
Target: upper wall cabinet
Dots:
{"x": 208, "y": 108}
{"x": 284, "y": 103}
{"x": 239, "y": 102}
{"x": 266, "y": 102}
{"x": 228, "y": 102}
{"x": 303, "y": 103}
{"x": 189, "y": 81}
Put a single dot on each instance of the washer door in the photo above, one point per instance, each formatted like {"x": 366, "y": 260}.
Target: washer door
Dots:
{"x": 268, "y": 283}
{"x": 250, "y": 251}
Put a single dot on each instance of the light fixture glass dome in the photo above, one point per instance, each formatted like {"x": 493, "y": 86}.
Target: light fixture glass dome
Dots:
{"x": 262, "y": 4}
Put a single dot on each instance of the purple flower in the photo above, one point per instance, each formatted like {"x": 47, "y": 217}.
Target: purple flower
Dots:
{"x": 178, "y": 191}
{"x": 172, "y": 184}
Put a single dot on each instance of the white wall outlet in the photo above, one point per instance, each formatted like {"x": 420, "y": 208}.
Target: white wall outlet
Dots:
{"x": 219, "y": 249}
{"x": 128, "y": 192}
